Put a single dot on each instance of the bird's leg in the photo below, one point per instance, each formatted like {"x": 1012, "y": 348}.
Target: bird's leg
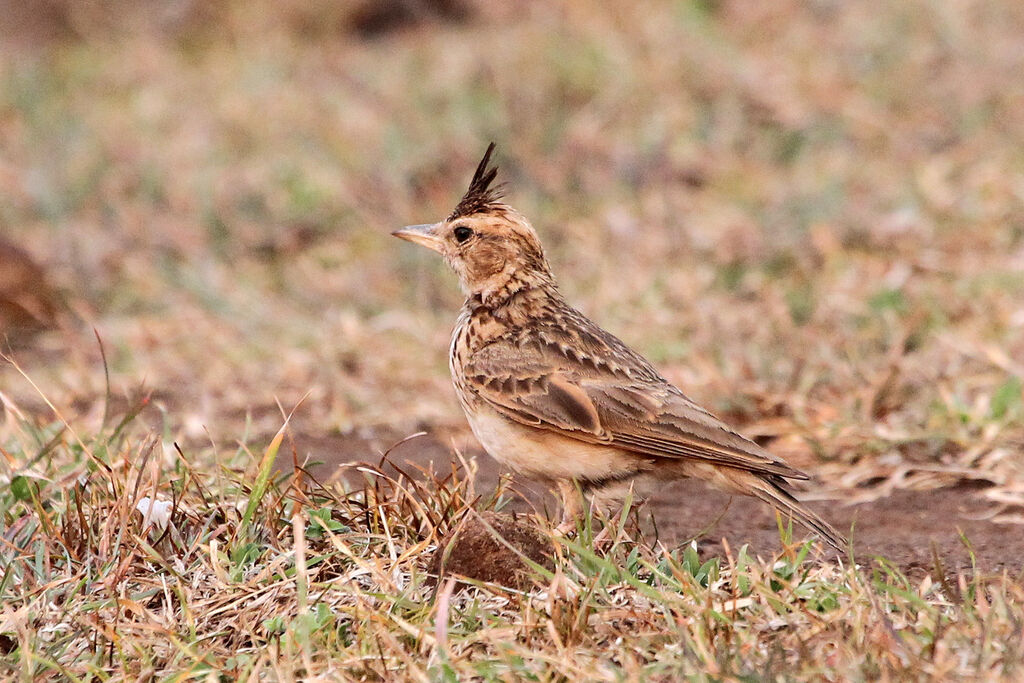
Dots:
{"x": 609, "y": 533}
{"x": 614, "y": 526}
{"x": 604, "y": 537}
{"x": 571, "y": 506}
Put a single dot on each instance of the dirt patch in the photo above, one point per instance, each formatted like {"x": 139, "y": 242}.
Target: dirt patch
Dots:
{"x": 909, "y": 528}
{"x": 324, "y": 456}
{"x": 473, "y": 550}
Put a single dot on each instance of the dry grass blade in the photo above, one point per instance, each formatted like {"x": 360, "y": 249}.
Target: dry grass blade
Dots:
{"x": 339, "y": 584}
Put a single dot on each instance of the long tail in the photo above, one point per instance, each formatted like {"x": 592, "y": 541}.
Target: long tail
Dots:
{"x": 773, "y": 493}
{"x": 770, "y": 489}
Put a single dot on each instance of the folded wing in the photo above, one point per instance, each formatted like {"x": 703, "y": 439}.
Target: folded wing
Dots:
{"x": 624, "y": 403}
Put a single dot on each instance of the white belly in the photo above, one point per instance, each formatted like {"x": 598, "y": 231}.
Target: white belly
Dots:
{"x": 543, "y": 453}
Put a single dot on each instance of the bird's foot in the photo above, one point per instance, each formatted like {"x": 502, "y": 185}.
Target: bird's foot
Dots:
{"x": 566, "y": 528}
{"x": 571, "y": 508}
{"x": 604, "y": 539}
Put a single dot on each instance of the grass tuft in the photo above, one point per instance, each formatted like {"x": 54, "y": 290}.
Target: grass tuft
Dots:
{"x": 245, "y": 575}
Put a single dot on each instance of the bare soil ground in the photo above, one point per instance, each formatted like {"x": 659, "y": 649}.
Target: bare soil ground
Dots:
{"x": 910, "y": 528}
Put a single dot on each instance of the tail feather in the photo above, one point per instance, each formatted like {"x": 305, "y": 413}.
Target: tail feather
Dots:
{"x": 770, "y": 489}
{"x": 775, "y": 495}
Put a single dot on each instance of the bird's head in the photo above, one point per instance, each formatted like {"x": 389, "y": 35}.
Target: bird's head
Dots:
{"x": 491, "y": 246}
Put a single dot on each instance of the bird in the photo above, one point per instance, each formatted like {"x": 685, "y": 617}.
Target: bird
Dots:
{"x": 553, "y": 396}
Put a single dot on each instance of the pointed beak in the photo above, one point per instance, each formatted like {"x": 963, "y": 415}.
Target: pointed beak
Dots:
{"x": 424, "y": 235}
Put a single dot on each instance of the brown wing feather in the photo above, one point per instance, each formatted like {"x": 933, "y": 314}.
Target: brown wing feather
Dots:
{"x": 599, "y": 402}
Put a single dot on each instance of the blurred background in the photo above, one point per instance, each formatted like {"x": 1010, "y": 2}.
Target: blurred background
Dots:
{"x": 809, "y": 215}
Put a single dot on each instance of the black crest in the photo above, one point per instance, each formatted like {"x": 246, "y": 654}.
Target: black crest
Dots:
{"x": 480, "y": 196}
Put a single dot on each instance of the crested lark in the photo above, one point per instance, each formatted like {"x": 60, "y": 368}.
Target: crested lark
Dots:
{"x": 552, "y": 395}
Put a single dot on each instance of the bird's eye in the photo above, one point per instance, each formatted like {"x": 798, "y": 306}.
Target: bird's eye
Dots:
{"x": 462, "y": 233}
